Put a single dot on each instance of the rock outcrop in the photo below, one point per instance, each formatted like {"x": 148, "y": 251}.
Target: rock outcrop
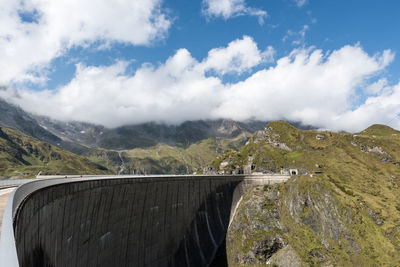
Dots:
{"x": 347, "y": 215}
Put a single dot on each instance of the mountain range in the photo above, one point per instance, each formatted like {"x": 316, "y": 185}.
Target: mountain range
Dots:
{"x": 145, "y": 148}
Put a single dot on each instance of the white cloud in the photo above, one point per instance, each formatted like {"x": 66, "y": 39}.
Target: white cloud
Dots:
{"x": 381, "y": 109}
{"x": 307, "y": 85}
{"x": 240, "y": 56}
{"x": 310, "y": 87}
{"x": 177, "y": 90}
{"x": 26, "y": 48}
{"x": 377, "y": 87}
{"x": 173, "y": 92}
{"x": 231, "y": 8}
{"x": 300, "y": 3}
{"x": 299, "y": 37}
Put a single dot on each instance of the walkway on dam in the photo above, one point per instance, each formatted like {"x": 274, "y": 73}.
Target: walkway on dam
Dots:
{"x": 6, "y": 187}
{"x": 4, "y": 194}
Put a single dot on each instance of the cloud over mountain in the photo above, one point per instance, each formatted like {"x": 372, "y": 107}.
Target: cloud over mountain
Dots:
{"x": 307, "y": 85}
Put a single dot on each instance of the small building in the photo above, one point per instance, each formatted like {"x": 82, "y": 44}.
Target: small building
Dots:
{"x": 289, "y": 171}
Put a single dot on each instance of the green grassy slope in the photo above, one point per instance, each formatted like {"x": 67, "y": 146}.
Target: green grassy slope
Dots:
{"x": 25, "y": 156}
{"x": 380, "y": 130}
{"x": 166, "y": 159}
{"x": 347, "y": 216}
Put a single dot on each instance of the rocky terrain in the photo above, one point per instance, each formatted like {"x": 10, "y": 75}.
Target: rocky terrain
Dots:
{"x": 146, "y": 148}
{"x": 151, "y": 148}
{"x": 166, "y": 159}
{"x": 343, "y": 209}
{"x": 180, "y": 151}
{"x": 147, "y": 134}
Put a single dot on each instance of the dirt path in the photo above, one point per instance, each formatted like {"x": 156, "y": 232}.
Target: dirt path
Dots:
{"x": 4, "y": 194}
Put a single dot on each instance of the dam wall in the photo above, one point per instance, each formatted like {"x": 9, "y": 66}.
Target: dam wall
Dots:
{"x": 128, "y": 221}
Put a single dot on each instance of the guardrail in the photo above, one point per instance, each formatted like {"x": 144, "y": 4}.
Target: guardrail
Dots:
{"x": 14, "y": 182}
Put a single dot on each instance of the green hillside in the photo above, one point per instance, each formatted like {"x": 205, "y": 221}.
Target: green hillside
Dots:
{"x": 342, "y": 210}
{"x": 380, "y": 130}
{"x": 166, "y": 159}
{"x": 25, "y": 156}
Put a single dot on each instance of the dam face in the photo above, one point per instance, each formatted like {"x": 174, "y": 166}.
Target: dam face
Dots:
{"x": 125, "y": 222}
{"x": 114, "y": 221}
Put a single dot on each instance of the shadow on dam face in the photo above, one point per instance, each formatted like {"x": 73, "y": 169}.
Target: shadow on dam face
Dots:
{"x": 149, "y": 221}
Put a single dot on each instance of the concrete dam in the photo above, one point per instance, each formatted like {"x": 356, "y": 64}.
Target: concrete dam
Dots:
{"x": 122, "y": 220}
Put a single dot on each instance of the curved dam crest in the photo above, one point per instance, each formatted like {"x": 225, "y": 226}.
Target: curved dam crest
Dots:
{"x": 126, "y": 221}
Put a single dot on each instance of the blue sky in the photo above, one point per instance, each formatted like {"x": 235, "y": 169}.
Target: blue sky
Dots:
{"x": 56, "y": 54}
{"x": 331, "y": 25}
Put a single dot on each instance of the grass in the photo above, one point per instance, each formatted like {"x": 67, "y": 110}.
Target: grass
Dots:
{"x": 380, "y": 130}
{"x": 294, "y": 155}
{"x": 25, "y": 156}
{"x": 166, "y": 159}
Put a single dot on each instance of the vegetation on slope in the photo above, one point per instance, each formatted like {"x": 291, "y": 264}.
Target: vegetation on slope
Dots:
{"x": 166, "y": 159}
{"x": 25, "y": 156}
{"x": 347, "y": 214}
{"x": 380, "y": 130}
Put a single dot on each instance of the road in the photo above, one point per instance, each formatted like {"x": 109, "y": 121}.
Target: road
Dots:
{"x": 4, "y": 194}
